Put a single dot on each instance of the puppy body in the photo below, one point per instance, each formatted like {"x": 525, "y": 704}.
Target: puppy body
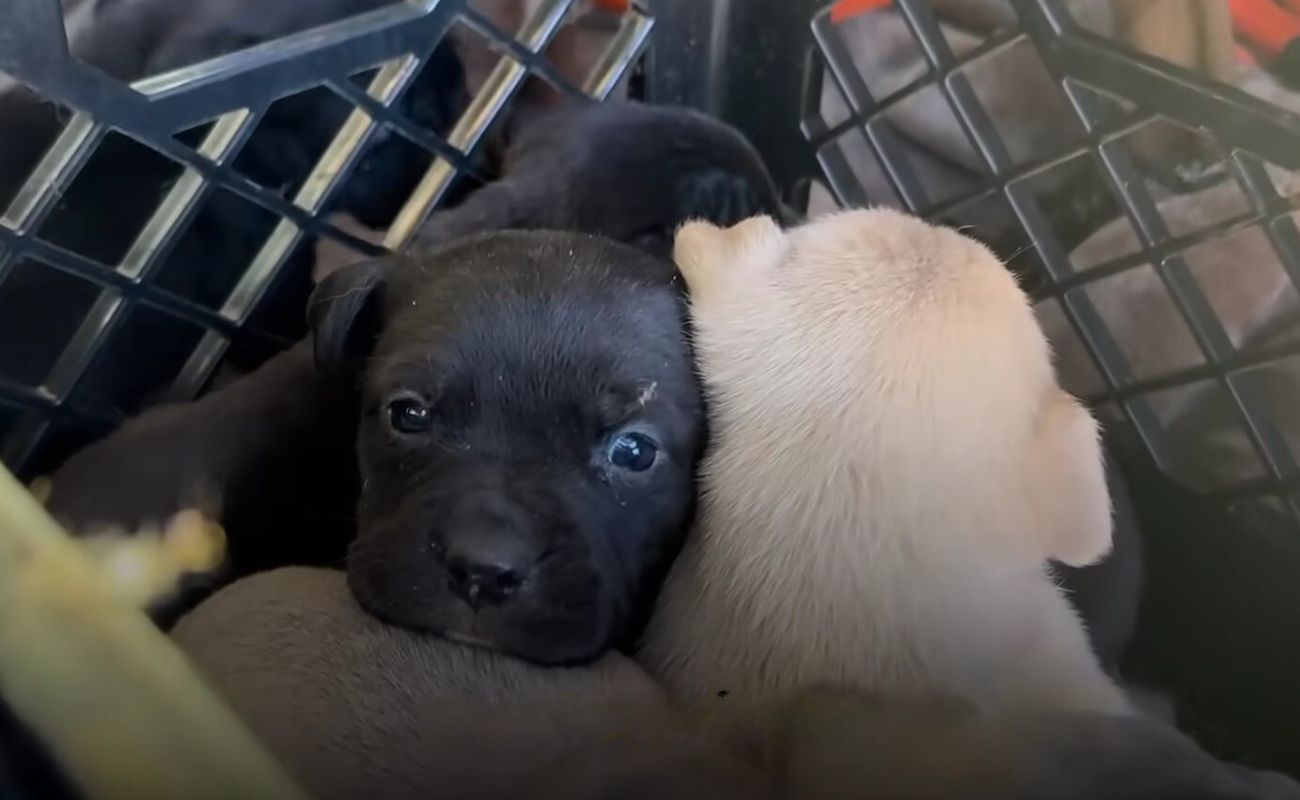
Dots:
{"x": 892, "y": 465}
{"x": 830, "y": 744}
{"x": 356, "y": 708}
{"x": 629, "y": 171}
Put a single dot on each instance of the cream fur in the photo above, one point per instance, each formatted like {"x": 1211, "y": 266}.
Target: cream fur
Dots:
{"x": 892, "y": 464}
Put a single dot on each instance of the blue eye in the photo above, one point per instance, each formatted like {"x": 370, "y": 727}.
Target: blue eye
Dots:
{"x": 408, "y": 416}
{"x": 632, "y": 451}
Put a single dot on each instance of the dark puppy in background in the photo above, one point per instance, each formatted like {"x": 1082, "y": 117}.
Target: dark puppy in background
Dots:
{"x": 629, "y": 171}
{"x": 272, "y": 453}
{"x": 530, "y": 423}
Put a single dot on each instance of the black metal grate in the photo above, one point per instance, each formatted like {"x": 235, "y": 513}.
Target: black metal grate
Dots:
{"x": 1112, "y": 95}
{"x": 366, "y": 62}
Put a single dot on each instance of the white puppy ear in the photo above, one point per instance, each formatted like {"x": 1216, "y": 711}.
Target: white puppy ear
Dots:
{"x": 711, "y": 258}
{"x": 1067, "y": 493}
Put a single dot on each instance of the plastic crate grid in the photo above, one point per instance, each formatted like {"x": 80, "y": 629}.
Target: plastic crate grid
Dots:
{"x": 365, "y": 61}
{"x": 1113, "y": 94}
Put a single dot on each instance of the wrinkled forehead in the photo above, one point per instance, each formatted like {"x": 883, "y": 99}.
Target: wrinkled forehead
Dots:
{"x": 574, "y": 343}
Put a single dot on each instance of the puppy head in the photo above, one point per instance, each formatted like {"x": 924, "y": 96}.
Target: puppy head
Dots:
{"x": 871, "y": 345}
{"x": 531, "y": 423}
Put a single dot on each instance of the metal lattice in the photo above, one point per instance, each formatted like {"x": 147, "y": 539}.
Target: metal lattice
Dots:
{"x": 1112, "y": 93}
{"x": 226, "y": 97}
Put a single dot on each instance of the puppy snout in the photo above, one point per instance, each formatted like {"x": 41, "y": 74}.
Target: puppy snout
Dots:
{"x": 487, "y": 569}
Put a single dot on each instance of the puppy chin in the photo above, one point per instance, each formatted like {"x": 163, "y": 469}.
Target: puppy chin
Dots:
{"x": 526, "y": 631}
{"x": 533, "y": 649}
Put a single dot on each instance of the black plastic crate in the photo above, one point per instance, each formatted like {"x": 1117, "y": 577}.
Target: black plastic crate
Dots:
{"x": 1221, "y": 603}
{"x": 120, "y": 305}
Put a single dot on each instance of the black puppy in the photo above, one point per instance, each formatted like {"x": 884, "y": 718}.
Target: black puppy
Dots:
{"x": 273, "y": 454}
{"x": 530, "y": 423}
{"x": 630, "y": 171}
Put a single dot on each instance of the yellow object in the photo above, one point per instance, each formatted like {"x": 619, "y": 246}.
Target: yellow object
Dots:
{"x": 112, "y": 700}
{"x": 147, "y": 565}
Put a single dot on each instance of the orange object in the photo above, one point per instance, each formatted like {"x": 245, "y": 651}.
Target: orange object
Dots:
{"x": 616, "y": 6}
{"x": 847, "y": 9}
{"x": 1264, "y": 26}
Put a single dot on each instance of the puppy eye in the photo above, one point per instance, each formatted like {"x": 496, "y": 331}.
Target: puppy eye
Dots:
{"x": 408, "y": 415}
{"x": 632, "y": 451}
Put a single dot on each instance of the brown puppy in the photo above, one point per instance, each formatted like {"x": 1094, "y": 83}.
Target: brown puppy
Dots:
{"x": 356, "y": 708}
{"x": 834, "y": 745}
{"x": 892, "y": 466}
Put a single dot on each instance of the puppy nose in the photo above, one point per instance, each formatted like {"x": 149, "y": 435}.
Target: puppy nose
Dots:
{"x": 486, "y": 573}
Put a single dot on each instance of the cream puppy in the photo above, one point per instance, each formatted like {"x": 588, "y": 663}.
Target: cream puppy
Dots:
{"x": 892, "y": 464}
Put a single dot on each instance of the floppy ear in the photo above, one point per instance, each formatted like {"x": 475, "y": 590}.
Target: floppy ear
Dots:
{"x": 714, "y": 259}
{"x": 1067, "y": 484}
{"x": 345, "y": 314}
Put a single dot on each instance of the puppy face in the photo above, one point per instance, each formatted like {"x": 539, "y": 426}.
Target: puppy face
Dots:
{"x": 529, "y": 432}
{"x": 869, "y": 349}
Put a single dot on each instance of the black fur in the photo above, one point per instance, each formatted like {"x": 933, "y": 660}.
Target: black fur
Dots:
{"x": 532, "y": 351}
{"x": 629, "y": 171}
{"x": 250, "y": 439}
